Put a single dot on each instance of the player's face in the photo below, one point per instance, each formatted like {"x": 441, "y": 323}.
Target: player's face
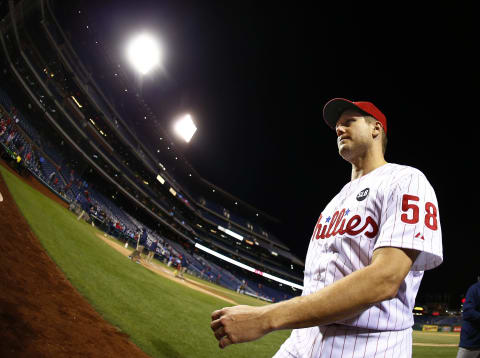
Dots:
{"x": 354, "y": 135}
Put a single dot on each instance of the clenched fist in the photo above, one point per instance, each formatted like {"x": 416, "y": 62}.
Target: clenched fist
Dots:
{"x": 239, "y": 324}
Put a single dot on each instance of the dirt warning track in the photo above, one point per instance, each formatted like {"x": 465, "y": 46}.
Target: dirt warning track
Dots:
{"x": 41, "y": 313}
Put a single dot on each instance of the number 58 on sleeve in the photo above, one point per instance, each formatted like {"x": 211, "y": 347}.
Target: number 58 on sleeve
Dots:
{"x": 411, "y": 212}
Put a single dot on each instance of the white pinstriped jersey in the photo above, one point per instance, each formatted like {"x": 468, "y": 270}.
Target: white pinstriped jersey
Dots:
{"x": 394, "y": 206}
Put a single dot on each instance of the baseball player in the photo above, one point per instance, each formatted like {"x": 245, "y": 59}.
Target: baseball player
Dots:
{"x": 136, "y": 255}
{"x": 366, "y": 257}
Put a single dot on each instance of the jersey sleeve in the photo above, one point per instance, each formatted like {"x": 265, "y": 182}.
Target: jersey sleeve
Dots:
{"x": 472, "y": 304}
{"x": 410, "y": 219}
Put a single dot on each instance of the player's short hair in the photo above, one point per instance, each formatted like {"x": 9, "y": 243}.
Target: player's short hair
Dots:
{"x": 372, "y": 120}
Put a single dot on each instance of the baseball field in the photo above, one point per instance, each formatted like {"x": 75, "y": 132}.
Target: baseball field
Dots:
{"x": 68, "y": 290}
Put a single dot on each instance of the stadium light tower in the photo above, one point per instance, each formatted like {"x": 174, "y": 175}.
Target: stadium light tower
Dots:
{"x": 144, "y": 53}
{"x": 185, "y": 128}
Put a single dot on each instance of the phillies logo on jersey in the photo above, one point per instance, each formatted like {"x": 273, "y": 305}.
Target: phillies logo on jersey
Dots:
{"x": 338, "y": 224}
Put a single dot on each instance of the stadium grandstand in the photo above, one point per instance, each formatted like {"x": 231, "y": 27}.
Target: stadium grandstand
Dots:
{"x": 63, "y": 124}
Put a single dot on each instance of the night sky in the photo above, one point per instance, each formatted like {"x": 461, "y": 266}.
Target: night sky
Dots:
{"x": 255, "y": 79}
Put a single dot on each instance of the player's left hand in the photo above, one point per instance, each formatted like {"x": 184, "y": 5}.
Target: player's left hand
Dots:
{"x": 239, "y": 324}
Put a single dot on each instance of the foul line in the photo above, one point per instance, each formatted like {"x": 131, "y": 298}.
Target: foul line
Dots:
{"x": 435, "y": 345}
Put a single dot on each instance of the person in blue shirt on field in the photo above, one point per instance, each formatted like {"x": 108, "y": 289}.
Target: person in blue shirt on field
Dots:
{"x": 469, "y": 346}
{"x": 142, "y": 241}
{"x": 181, "y": 267}
{"x": 151, "y": 250}
{"x": 83, "y": 199}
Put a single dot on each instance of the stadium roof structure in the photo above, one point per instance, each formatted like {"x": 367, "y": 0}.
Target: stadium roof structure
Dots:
{"x": 143, "y": 117}
{"x": 202, "y": 184}
{"x": 72, "y": 109}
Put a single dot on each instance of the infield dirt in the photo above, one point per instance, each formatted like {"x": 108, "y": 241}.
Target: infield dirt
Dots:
{"x": 159, "y": 270}
{"x": 41, "y": 313}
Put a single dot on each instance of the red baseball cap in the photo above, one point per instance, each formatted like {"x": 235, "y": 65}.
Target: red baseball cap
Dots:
{"x": 335, "y": 107}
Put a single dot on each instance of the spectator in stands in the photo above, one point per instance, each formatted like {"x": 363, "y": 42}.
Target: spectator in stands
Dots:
{"x": 137, "y": 254}
{"x": 164, "y": 254}
{"x": 101, "y": 214}
{"x": 67, "y": 187}
{"x": 110, "y": 226}
{"x": 93, "y": 211}
{"x": 10, "y": 137}
{"x": 469, "y": 346}
{"x": 18, "y": 141}
{"x": 3, "y": 128}
{"x": 21, "y": 148}
{"x": 51, "y": 177}
{"x": 151, "y": 250}
{"x": 28, "y": 157}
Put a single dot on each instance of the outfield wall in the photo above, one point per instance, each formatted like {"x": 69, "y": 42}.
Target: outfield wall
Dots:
{"x": 438, "y": 324}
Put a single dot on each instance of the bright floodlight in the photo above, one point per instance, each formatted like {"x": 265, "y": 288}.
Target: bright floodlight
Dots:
{"x": 144, "y": 53}
{"x": 185, "y": 128}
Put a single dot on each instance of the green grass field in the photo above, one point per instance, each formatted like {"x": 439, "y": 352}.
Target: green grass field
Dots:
{"x": 163, "y": 317}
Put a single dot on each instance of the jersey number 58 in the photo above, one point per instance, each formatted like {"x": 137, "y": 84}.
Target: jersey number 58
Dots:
{"x": 408, "y": 203}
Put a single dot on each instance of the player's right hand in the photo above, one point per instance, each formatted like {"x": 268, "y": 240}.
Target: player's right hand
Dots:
{"x": 239, "y": 324}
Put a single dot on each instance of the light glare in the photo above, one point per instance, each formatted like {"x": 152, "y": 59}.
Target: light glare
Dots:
{"x": 185, "y": 128}
{"x": 144, "y": 53}
{"x": 231, "y": 233}
{"x": 246, "y": 267}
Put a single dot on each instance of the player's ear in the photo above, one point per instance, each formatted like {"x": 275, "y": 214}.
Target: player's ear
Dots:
{"x": 377, "y": 129}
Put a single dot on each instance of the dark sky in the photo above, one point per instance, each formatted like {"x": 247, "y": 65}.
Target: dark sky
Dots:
{"x": 256, "y": 78}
